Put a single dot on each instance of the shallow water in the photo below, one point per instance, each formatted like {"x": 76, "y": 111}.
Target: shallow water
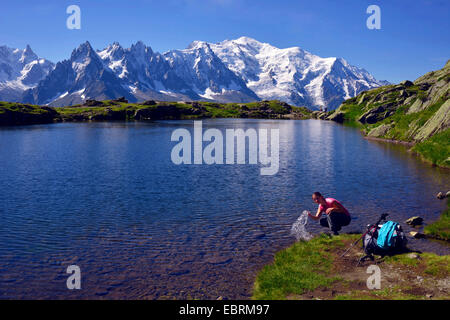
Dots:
{"x": 106, "y": 197}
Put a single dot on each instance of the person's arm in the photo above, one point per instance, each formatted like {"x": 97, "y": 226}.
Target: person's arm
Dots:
{"x": 317, "y": 215}
{"x": 336, "y": 207}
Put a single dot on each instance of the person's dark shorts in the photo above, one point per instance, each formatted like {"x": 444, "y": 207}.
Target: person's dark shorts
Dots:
{"x": 335, "y": 221}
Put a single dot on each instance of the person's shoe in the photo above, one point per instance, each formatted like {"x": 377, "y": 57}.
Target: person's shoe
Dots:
{"x": 335, "y": 233}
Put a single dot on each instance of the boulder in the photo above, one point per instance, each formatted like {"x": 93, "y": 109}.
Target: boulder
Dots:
{"x": 315, "y": 114}
{"x": 121, "y": 99}
{"x": 404, "y": 94}
{"x": 337, "y": 117}
{"x": 148, "y": 103}
{"x": 414, "y": 221}
{"x": 439, "y": 122}
{"x": 378, "y": 114}
{"x": 424, "y": 86}
{"x": 416, "y": 106}
{"x": 92, "y": 103}
{"x": 372, "y": 116}
{"x": 406, "y": 83}
{"x": 380, "y": 131}
{"x": 323, "y": 116}
{"x": 362, "y": 99}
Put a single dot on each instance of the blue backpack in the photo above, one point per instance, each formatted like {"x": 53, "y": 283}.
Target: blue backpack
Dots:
{"x": 386, "y": 235}
{"x": 385, "y": 239}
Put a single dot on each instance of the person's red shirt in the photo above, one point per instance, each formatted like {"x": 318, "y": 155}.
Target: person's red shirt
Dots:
{"x": 330, "y": 202}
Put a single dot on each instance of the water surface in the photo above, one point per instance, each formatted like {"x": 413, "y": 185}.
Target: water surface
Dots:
{"x": 106, "y": 197}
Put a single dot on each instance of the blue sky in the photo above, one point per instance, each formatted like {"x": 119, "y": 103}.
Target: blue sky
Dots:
{"x": 414, "y": 36}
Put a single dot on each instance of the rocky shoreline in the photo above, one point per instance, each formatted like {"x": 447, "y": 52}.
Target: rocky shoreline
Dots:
{"x": 416, "y": 114}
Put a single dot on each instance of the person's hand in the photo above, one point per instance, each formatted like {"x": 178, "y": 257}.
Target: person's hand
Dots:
{"x": 329, "y": 210}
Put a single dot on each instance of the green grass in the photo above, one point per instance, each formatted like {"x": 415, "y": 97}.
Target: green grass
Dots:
{"x": 402, "y": 122}
{"x": 428, "y": 263}
{"x": 306, "y": 266}
{"x": 436, "y": 149}
{"x": 19, "y": 107}
{"x": 352, "y": 112}
{"x": 302, "y": 267}
{"x": 441, "y": 228}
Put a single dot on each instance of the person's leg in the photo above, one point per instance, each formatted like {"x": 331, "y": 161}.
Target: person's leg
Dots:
{"x": 347, "y": 220}
{"x": 324, "y": 222}
{"x": 336, "y": 220}
{"x": 327, "y": 223}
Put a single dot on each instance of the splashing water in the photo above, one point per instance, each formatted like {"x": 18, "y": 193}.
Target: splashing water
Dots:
{"x": 298, "y": 229}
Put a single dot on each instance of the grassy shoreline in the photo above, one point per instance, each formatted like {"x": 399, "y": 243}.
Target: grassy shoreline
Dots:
{"x": 314, "y": 270}
{"x": 440, "y": 229}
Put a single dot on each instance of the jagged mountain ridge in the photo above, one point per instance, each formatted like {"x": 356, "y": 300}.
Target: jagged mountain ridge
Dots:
{"x": 293, "y": 75}
{"x": 19, "y": 71}
{"x": 240, "y": 70}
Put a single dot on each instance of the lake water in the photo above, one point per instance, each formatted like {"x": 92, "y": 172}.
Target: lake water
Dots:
{"x": 107, "y": 197}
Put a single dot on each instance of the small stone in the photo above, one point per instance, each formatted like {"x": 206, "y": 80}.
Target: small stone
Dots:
{"x": 414, "y": 221}
{"x": 416, "y": 234}
{"x": 440, "y": 195}
{"x": 447, "y": 194}
{"x": 413, "y": 256}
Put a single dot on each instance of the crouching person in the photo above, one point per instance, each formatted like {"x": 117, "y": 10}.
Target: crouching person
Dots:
{"x": 336, "y": 214}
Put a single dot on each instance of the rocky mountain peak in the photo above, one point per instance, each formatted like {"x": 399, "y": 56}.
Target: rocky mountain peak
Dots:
{"x": 83, "y": 51}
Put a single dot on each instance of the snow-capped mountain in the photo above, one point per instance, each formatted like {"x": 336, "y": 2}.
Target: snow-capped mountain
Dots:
{"x": 207, "y": 75}
{"x": 83, "y": 76}
{"x": 293, "y": 75}
{"x": 148, "y": 74}
{"x": 19, "y": 71}
{"x": 240, "y": 70}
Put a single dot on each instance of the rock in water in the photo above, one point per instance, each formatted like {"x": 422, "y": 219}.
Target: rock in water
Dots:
{"x": 416, "y": 234}
{"x": 440, "y": 195}
{"x": 414, "y": 221}
{"x": 298, "y": 229}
